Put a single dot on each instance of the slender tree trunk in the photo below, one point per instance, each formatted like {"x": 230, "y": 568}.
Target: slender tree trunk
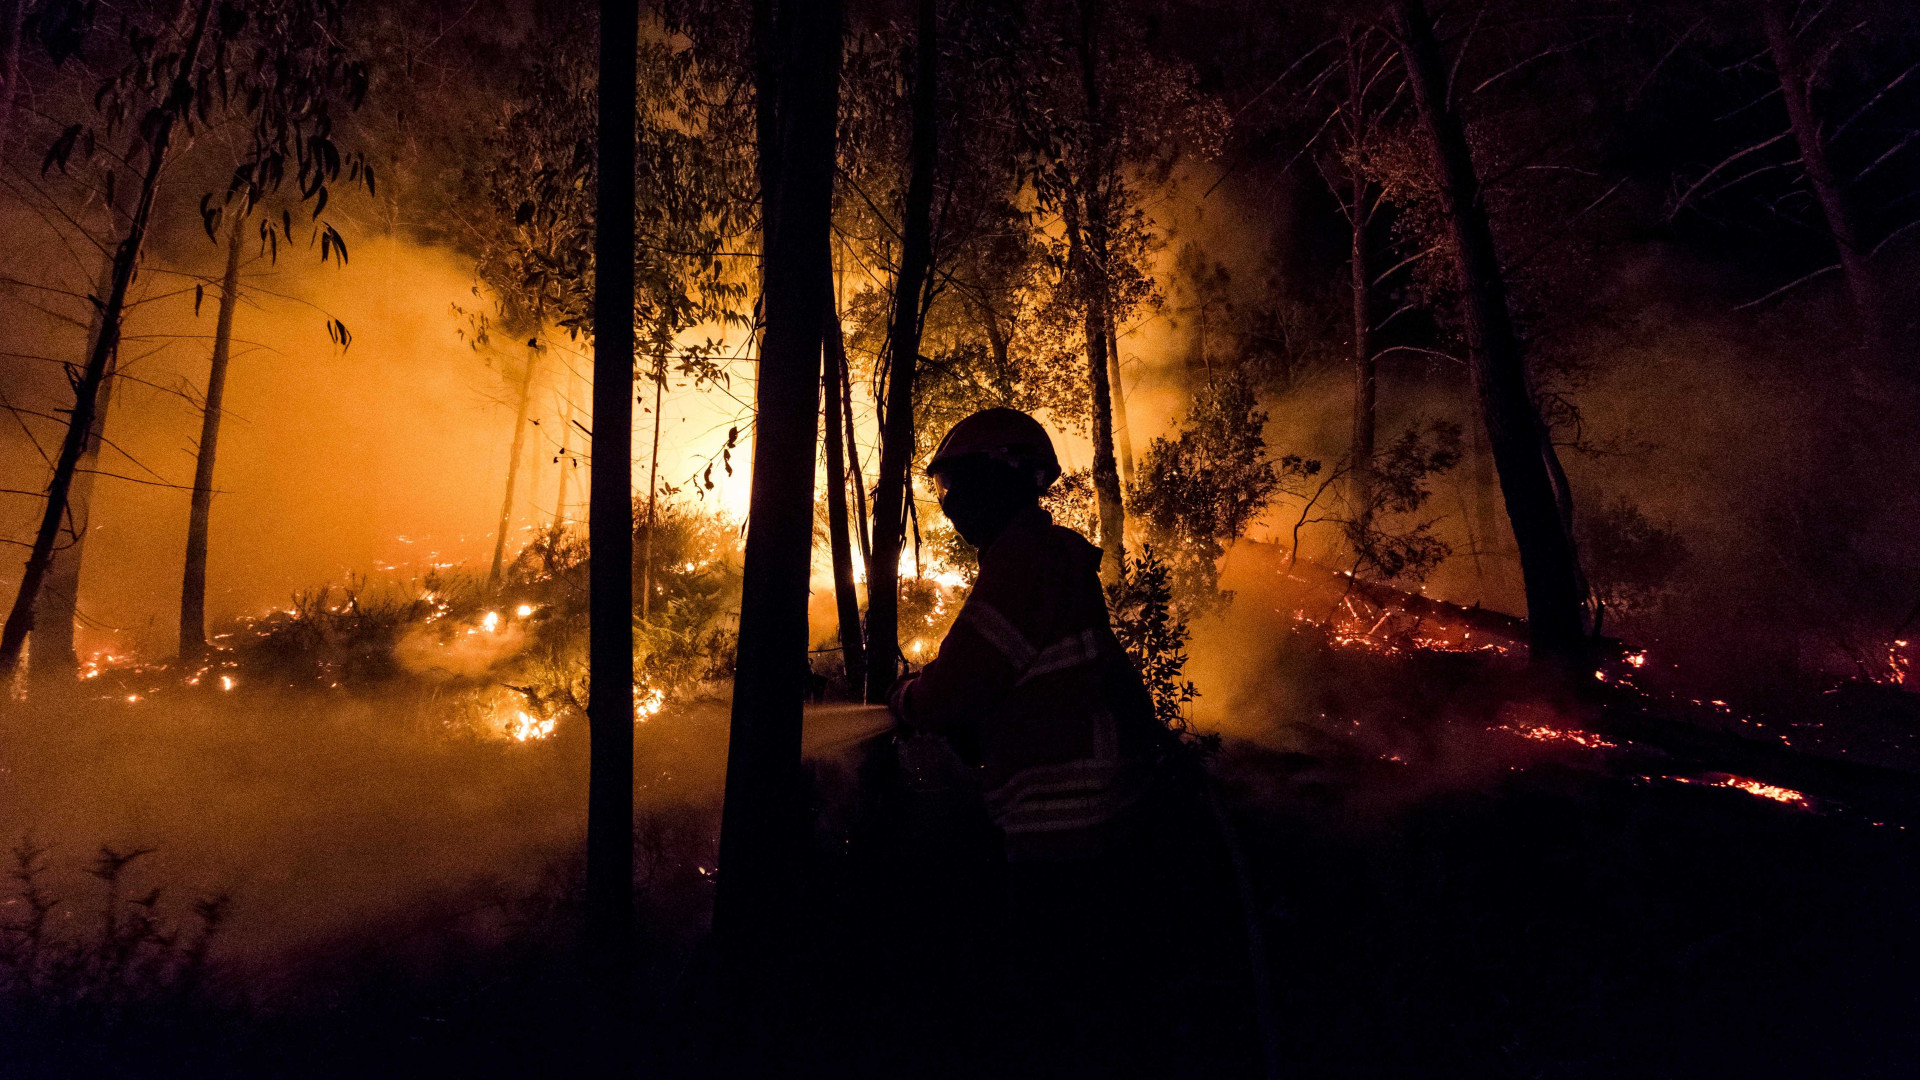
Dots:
{"x": 193, "y": 579}
{"x": 894, "y": 487}
{"x": 10, "y": 69}
{"x": 797, "y": 46}
{"x": 566, "y": 459}
{"x": 653, "y": 494}
{"x": 1863, "y": 284}
{"x": 1106, "y": 477}
{"x": 1365, "y": 365}
{"x": 1515, "y": 432}
{"x": 514, "y": 456}
{"x": 860, "y": 518}
{"x": 86, "y": 391}
{"x": 846, "y": 601}
{"x": 1099, "y": 320}
{"x": 54, "y": 658}
{"x": 1122, "y": 438}
{"x": 1486, "y": 517}
{"x": 609, "y": 894}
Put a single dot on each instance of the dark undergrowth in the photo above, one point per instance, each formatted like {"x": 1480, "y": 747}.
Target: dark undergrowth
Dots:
{"x": 1439, "y": 895}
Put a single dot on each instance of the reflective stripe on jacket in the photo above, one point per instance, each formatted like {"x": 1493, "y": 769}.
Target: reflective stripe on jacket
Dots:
{"x": 1031, "y": 684}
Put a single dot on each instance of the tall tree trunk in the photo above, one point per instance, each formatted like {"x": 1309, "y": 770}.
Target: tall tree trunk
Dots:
{"x": 1521, "y": 451}
{"x": 1869, "y": 299}
{"x": 159, "y": 135}
{"x": 1099, "y": 321}
{"x": 1106, "y": 478}
{"x": 797, "y": 52}
{"x": 1365, "y": 364}
{"x": 193, "y": 579}
{"x": 10, "y": 68}
{"x": 565, "y": 459}
{"x": 1122, "y": 436}
{"x": 653, "y": 497}
{"x": 515, "y": 454}
{"x": 846, "y": 601}
{"x": 54, "y": 658}
{"x": 903, "y": 350}
{"x": 1486, "y": 517}
{"x": 861, "y": 520}
{"x": 609, "y": 896}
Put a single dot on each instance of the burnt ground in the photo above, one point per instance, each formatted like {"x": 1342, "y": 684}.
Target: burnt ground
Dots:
{"x": 1454, "y": 873}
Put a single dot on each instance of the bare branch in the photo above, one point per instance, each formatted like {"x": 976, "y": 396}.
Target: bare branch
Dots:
{"x": 137, "y": 480}
{"x": 1409, "y": 260}
{"x": 15, "y": 411}
{"x": 1890, "y": 237}
{"x": 1737, "y": 110}
{"x": 1565, "y": 225}
{"x": 1634, "y": 97}
{"x": 1789, "y": 286}
{"x": 1555, "y": 51}
{"x": 1891, "y": 151}
{"x": 1875, "y": 100}
{"x": 1686, "y": 196}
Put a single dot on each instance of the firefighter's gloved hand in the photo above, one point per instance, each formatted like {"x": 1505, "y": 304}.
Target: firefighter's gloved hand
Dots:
{"x": 897, "y": 699}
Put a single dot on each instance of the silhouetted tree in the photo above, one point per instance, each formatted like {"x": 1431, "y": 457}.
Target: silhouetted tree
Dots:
{"x": 193, "y": 577}
{"x": 892, "y": 486}
{"x": 839, "y": 538}
{"x": 609, "y": 899}
{"x": 1521, "y": 449}
{"x": 280, "y": 61}
{"x": 796, "y": 54}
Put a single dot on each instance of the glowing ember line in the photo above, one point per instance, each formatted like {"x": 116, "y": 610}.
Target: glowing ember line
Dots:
{"x": 1765, "y": 791}
{"x": 1543, "y": 733}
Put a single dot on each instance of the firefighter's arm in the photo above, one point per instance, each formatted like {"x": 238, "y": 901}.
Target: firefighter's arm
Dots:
{"x": 983, "y": 655}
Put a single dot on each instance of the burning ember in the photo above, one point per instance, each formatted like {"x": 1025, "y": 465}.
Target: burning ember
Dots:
{"x": 1764, "y": 790}
{"x": 1759, "y": 789}
{"x": 1899, "y": 666}
{"x": 1546, "y": 734}
{"x": 525, "y": 726}
{"x": 648, "y": 704}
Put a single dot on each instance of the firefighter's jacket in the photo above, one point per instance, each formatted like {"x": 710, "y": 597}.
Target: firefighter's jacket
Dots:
{"x": 1032, "y": 686}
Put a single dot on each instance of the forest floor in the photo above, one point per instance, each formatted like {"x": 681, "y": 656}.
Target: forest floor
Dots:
{"x": 1454, "y": 871}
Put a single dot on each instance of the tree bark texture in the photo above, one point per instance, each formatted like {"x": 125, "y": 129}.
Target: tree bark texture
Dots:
{"x": 1122, "y": 435}
{"x": 565, "y": 459}
{"x": 10, "y": 68}
{"x": 861, "y": 519}
{"x": 1515, "y": 432}
{"x": 893, "y": 486}
{"x": 516, "y": 452}
{"x": 653, "y": 497}
{"x": 609, "y": 893}
{"x": 1099, "y": 318}
{"x": 846, "y": 601}
{"x": 159, "y": 136}
{"x": 763, "y": 823}
{"x": 193, "y": 578}
{"x": 1863, "y": 285}
{"x": 55, "y": 658}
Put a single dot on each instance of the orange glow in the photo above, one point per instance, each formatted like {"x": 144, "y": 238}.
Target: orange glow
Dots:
{"x": 1766, "y": 791}
{"x": 525, "y": 726}
{"x": 647, "y": 705}
{"x": 1544, "y": 733}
